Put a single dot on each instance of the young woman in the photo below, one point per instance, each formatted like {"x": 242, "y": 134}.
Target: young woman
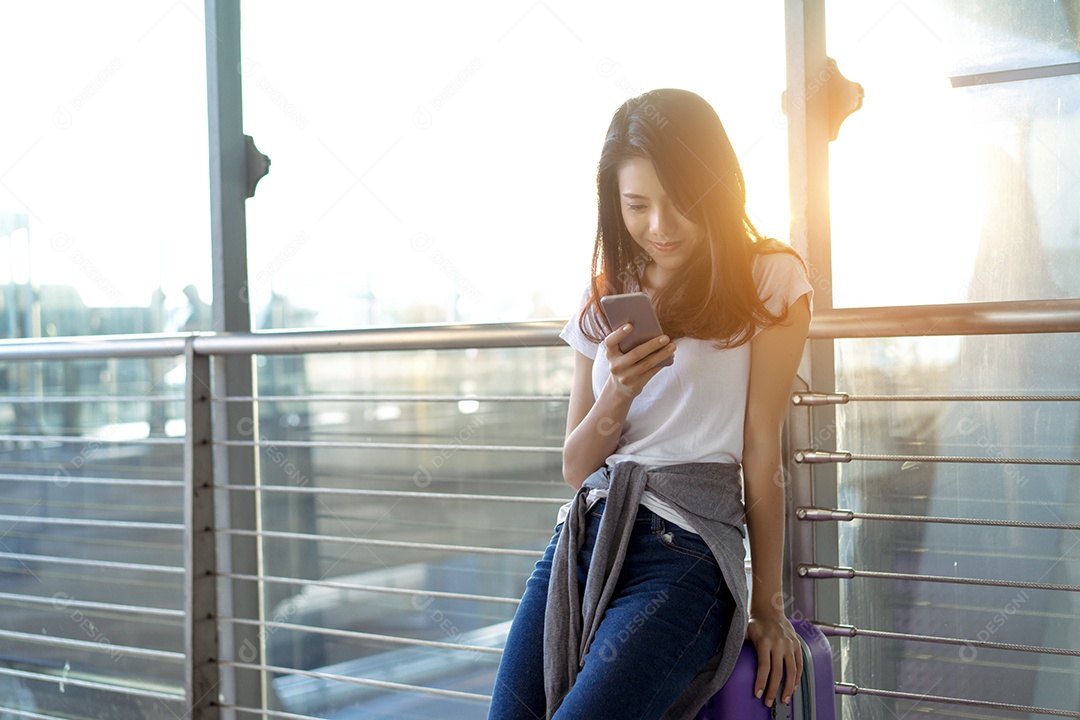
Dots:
{"x": 639, "y": 606}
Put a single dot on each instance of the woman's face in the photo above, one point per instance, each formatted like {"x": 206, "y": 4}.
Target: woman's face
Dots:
{"x": 668, "y": 237}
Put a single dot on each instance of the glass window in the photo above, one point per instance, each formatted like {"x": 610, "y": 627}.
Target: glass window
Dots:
{"x": 437, "y": 162}
{"x": 425, "y": 486}
{"x": 91, "y": 540}
{"x": 949, "y": 192}
{"x": 104, "y": 228}
{"x": 104, "y": 189}
{"x": 945, "y": 191}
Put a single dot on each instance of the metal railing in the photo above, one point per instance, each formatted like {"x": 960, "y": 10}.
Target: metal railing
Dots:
{"x": 206, "y": 661}
{"x": 969, "y": 319}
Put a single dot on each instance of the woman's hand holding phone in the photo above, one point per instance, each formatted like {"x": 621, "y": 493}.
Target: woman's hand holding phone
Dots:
{"x": 638, "y": 348}
{"x": 631, "y": 370}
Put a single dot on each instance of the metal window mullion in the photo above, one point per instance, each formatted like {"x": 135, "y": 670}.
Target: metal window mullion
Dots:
{"x": 231, "y": 376}
{"x": 1034, "y": 72}
{"x": 808, "y": 172}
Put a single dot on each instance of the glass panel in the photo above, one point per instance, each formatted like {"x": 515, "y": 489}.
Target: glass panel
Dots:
{"x": 422, "y": 175}
{"x": 104, "y": 196}
{"x": 76, "y": 468}
{"x": 998, "y": 365}
{"x": 944, "y": 194}
{"x": 450, "y": 403}
{"x": 948, "y": 192}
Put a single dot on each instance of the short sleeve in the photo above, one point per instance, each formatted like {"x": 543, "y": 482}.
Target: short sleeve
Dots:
{"x": 573, "y": 335}
{"x": 781, "y": 280}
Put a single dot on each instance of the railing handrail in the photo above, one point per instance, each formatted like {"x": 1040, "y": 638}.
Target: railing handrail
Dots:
{"x": 534, "y": 333}
{"x": 1019, "y": 317}
{"x": 992, "y": 318}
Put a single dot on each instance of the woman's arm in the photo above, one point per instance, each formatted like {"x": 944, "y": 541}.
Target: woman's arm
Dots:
{"x": 594, "y": 426}
{"x": 774, "y": 358}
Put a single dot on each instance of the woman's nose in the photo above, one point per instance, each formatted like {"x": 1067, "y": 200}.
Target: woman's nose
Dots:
{"x": 663, "y": 221}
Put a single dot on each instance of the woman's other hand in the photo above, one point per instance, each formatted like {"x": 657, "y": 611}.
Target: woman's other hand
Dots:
{"x": 779, "y": 654}
{"x": 632, "y": 370}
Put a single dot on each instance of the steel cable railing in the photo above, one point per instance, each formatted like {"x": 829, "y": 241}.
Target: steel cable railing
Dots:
{"x": 814, "y": 399}
{"x": 404, "y": 544}
{"x": 357, "y": 635}
{"x": 377, "y": 589}
{"x": 66, "y": 681}
{"x": 243, "y": 711}
{"x": 814, "y": 456}
{"x": 364, "y": 682}
{"x": 847, "y": 573}
{"x": 1060, "y": 316}
{"x": 351, "y": 445}
{"x": 817, "y": 457}
{"x": 367, "y": 492}
{"x": 849, "y": 631}
{"x": 850, "y": 689}
{"x": 836, "y": 515}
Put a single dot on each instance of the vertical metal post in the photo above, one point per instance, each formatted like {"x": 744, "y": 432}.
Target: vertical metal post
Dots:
{"x": 798, "y": 598}
{"x": 232, "y": 375}
{"x": 201, "y": 674}
{"x": 807, "y": 108}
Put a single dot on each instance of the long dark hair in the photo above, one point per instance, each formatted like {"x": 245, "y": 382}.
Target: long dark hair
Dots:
{"x": 713, "y": 296}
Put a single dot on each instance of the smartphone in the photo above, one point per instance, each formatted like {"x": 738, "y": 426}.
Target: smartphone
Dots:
{"x": 636, "y": 309}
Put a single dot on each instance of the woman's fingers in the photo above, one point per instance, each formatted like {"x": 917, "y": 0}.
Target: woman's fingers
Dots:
{"x": 776, "y": 673}
{"x": 660, "y": 346}
{"x": 616, "y": 335}
{"x": 777, "y": 663}
{"x": 764, "y": 663}
{"x": 632, "y": 370}
{"x": 793, "y": 670}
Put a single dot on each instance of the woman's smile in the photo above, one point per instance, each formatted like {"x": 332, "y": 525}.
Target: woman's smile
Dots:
{"x": 665, "y": 247}
{"x": 652, "y": 219}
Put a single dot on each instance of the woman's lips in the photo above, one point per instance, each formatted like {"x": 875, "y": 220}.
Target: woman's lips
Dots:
{"x": 666, "y": 247}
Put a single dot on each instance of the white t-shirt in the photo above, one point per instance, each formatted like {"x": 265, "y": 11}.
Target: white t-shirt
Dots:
{"x": 694, "y": 410}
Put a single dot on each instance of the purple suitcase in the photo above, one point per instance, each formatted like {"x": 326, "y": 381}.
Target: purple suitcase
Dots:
{"x": 813, "y": 698}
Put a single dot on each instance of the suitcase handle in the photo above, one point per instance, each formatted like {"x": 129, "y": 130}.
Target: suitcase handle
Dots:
{"x": 802, "y": 703}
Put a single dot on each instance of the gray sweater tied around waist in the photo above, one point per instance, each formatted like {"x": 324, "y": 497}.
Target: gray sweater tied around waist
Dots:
{"x": 709, "y": 495}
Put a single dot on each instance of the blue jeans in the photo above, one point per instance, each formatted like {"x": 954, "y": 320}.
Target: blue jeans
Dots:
{"x": 670, "y": 614}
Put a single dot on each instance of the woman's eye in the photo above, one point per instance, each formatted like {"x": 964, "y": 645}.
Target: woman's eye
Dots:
{"x": 635, "y": 208}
